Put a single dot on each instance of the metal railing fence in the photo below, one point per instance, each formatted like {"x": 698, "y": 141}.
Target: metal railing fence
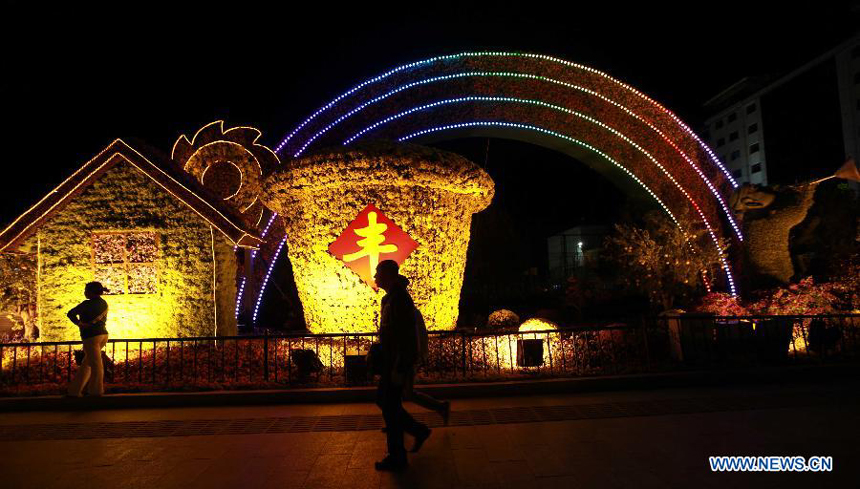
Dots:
{"x": 639, "y": 345}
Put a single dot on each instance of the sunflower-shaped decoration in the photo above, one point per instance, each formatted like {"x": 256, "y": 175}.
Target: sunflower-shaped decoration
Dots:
{"x": 228, "y": 163}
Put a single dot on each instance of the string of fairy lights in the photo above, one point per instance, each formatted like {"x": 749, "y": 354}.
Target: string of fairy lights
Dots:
{"x": 526, "y": 126}
{"x": 505, "y": 54}
{"x": 266, "y": 279}
{"x": 556, "y": 108}
{"x": 430, "y": 62}
{"x": 357, "y": 88}
{"x": 714, "y": 191}
{"x": 239, "y": 296}
{"x": 726, "y": 267}
{"x": 268, "y": 273}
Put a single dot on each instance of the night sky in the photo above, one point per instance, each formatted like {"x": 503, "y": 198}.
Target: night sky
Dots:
{"x": 74, "y": 78}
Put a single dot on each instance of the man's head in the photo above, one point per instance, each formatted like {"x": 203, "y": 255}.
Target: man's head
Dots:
{"x": 387, "y": 274}
{"x": 93, "y": 290}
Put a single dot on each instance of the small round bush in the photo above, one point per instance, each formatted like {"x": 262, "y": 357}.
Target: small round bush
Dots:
{"x": 503, "y": 318}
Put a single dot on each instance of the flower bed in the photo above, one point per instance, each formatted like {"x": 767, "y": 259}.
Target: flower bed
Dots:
{"x": 263, "y": 362}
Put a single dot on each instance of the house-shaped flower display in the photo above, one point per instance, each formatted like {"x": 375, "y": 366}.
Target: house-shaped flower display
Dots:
{"x": 163, "y": 245}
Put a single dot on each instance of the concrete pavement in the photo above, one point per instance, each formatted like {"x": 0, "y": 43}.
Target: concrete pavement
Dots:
{"x": 657, "y": 438}
{"x": 762, "y": 375}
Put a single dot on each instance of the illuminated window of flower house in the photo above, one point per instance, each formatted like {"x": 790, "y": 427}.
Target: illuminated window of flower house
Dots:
{"x": 125, "y": 262}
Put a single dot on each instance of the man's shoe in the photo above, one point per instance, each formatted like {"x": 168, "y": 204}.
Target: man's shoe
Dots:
{"x": 391, "y": 464}
{"x": 446, "y": 412}
{"x": 420, "y": 439}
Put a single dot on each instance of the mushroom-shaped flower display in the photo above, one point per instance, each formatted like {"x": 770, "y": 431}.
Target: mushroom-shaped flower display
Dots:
{"x": 346, "y": 210}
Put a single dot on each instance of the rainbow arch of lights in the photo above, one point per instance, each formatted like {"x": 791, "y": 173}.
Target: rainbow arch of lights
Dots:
{"x": 540, "y": 99}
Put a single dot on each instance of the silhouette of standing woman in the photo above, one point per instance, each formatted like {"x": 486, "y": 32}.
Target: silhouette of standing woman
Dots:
{"x": 90, "y": 316}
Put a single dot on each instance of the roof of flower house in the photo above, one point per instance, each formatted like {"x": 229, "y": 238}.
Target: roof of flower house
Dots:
{"x": 161, "y": 170}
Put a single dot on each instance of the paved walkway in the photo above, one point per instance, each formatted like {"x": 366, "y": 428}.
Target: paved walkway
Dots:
{"x": 638, "y": 439}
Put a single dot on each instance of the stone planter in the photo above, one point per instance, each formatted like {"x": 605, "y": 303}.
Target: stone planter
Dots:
{"x": 356, "y": 369}
{"x": 429, "y": 194}
{"x": 691, "y": 336}
{"x": 773, "y": 337}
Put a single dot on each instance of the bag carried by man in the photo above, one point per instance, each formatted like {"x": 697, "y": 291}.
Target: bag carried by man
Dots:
{"x": 374, "y": 355}
{"x": 421, "y": 334}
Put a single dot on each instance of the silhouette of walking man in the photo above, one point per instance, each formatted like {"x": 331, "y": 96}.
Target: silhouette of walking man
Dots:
{"x": 399, "y": 351}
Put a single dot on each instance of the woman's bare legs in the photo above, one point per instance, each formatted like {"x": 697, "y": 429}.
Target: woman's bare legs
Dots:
{"x": 91, "y": 371}
{"x": 96, "y": 386}
{"x": 76, "y": 386}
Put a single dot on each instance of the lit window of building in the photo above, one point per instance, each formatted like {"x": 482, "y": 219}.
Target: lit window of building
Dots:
{"x": 816, "y": 101}
{"x": 125, "y": 262}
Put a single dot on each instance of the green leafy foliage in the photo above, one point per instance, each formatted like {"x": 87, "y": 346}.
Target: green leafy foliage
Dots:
{"x": 667, "y": 263}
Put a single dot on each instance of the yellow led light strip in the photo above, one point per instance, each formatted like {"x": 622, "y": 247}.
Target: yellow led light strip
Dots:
{"x": 228, "y": 220}
{"x": 226, "y": 137}
{"x": 57, "y": 189}
{"x": 223, "y": 133}
{"x": 110, "y": 161}
{"x": 241, "y": 175}
{"x": 214, "y": 281}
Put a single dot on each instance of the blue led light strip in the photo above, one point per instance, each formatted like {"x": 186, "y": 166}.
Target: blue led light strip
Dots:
{"x": 239, "y": 296}
{"x": 402, "y": 68}
{"x": 265, "y": 231}
{"x": 253, "y": 255}
{"x": 266, "y": 279}
{"x": 405, "y": 67}
{"x": 726, "y": 267}
{"x": 692, "y": 164}
{"x": 359, "y": 87}
{"x": 377, "y": 99}
{"x": 560, "y": 109}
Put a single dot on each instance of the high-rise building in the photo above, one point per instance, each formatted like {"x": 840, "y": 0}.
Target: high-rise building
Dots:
{"x": 793, "y": 127}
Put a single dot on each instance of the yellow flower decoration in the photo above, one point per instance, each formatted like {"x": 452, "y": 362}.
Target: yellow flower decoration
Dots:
{"x": 228, "y": 163}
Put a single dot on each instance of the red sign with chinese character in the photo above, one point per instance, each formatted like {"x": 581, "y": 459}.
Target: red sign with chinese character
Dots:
{"x": 369, "y": 239}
